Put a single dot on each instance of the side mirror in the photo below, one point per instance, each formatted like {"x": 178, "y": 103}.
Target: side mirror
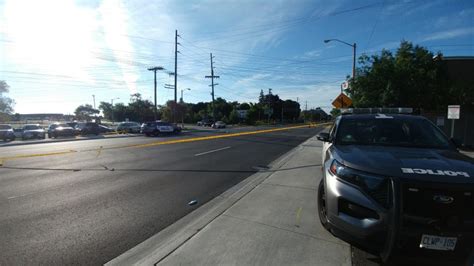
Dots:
{"x": 323, "y": 136}
{"x": 456, "y": 142}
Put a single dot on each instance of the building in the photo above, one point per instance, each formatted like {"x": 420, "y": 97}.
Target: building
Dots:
{"x": 460, "y": 70}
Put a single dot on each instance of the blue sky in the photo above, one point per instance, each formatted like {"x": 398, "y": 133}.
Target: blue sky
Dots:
{"x": 56, "y": 54}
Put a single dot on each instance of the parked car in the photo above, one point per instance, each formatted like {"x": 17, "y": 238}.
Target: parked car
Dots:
{"x": 205, "y": 123}
{"x": 395, "y": 182}
{"x": 156, "y": 128}
{"x": 6, "y": 132}
{"x": 33, "y": 132}
{"x": 128, "y": 127}
{"x": 18, "y": 132}
{"x": 60, "y": 130}
{"x": 105, "y": 129}
{"x": 88, "y": 128}
{"x": 218, "y": 124}
{"x": 72, "y": 124}
{"x": 177, "y": 128}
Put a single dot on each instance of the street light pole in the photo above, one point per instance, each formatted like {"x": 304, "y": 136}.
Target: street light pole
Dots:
{"x": 354, "y": 47}
{"x": 182, "y": 100}
{"x": 112, "y": 103}
{"x": 154, "y": 69}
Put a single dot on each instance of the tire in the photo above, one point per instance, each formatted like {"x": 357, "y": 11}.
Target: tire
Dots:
{"x": 322, "y": 210}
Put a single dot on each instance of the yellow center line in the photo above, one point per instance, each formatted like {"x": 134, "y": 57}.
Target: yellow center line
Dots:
{"x": 185, "y": 140}
{"x": 36, "y": 155}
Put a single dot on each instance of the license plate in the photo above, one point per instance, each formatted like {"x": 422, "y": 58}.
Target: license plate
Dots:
{"x": 438, "y": 242}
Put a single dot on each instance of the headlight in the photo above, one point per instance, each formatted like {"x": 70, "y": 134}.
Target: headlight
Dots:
{"x": 379, "y": 188}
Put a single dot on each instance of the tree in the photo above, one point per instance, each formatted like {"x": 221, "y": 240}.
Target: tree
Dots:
{"x": 84, "y": 112}
{"x": 140, "y": 110}
{"x": 335, "y": 112}
{"x": 107, "y": 110}
{"x": 291, "y": 110}
{"x": 410, "y": 78}
{"x": 6, "y": 104}
{"x": 233, "y": 117}
{"x": 244, "y": 106}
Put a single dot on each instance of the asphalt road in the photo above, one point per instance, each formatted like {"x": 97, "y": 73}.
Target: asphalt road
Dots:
{"x": 102, "y": 197}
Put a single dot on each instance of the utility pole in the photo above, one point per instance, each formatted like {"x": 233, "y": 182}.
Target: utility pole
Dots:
{"x": 305, "y": 110}
{"x": 175, "y": 74}
{"x": 342, "y": 98}
{"x": 354, "y": 46}
{"x": 154, "y": 69}
{"x": 212, "y": 76}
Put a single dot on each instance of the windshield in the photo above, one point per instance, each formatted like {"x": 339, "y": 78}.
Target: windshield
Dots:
{"x": 31, "y": 127}
{"x": 5, "y": 127}
{"x": 390, "y": 132}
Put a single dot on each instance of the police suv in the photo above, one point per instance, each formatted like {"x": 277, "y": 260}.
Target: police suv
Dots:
{"x": 393, "y": 181}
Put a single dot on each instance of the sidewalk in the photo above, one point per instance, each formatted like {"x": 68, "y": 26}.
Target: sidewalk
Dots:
{"x": 270, "y": 220}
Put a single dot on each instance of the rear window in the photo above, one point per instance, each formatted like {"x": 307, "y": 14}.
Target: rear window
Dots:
{"x": 163, "y": 124}
{"x": 5, "y": 127}
{"x": 31, "y": 127}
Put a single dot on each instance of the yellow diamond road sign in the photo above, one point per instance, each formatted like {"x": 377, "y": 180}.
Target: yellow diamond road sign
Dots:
{"x": 342, "y": 101}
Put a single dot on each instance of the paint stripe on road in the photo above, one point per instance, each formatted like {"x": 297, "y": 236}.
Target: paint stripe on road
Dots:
{"x": 207, "y": 152}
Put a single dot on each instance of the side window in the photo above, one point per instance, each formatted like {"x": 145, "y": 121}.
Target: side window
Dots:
{"x": 332, "y": 131}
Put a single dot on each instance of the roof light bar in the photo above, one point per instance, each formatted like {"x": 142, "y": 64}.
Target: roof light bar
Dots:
{"x": 397, "y": 110}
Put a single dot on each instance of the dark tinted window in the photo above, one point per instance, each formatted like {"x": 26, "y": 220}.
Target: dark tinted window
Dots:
{"x": 164, "y": 124}
{"x": 391, "y": 132}
{"x": 31, "y": 127}
{"x": 5, "y": 127}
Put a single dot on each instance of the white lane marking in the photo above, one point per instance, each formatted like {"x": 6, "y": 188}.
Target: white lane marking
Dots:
{"x": 202, "y": 153}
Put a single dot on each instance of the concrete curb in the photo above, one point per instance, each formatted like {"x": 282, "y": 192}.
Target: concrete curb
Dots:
{"x": 164, "y": 243}
{"x": 66, "y": 140}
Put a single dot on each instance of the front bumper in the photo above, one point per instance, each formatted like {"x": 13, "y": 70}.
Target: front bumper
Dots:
{"x": 370, "y": 226}
{"x": 355, "y": 217}
{"x": 7, "y": 135}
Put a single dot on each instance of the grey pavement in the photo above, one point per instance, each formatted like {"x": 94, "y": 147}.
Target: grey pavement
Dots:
{"x": 105, "y": 196}
{"x": 274, "y": 223}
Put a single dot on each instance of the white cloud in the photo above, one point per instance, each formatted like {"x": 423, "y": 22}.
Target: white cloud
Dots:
{"x": 449, "y": 34}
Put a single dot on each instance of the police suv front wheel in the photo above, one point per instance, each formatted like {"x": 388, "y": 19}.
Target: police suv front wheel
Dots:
{"x": 322, "y": 210}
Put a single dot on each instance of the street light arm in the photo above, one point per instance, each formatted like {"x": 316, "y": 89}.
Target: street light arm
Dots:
{"x": 337, "y": 40}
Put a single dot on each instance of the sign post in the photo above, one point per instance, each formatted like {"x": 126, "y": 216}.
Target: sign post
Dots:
{"x": 453, "y": 114}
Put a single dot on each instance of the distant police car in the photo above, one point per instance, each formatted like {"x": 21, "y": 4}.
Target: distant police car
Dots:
{"x": 394, "y": 182}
